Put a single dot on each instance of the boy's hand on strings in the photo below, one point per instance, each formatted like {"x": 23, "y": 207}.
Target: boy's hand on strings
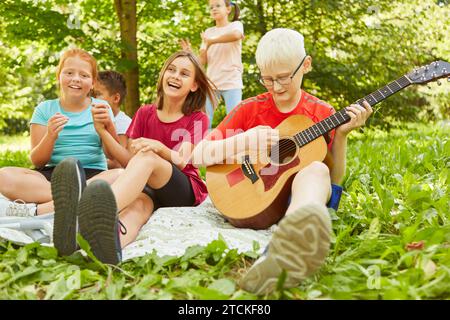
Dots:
{"x": 100, "y": 115}
{"x": 260, "y": 137}
{"x": 144, "y": 145}
{"x": 358, "y": 114}
{"x": 185, "y": 45}
{"x": 55, "y": 124}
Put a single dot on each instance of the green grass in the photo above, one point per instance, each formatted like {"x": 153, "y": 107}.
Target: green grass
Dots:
{"x": 14, "y": 151}
{"x": 396, "y": 194}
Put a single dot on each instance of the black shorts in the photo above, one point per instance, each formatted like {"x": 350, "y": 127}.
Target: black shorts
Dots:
{"x": 48, "y": 171}
{"x": 177, "y": 192}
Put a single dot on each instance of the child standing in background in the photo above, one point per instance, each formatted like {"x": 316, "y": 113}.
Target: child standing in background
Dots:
{"x": 112, "y": 88}
{"x": 221, "y": 51}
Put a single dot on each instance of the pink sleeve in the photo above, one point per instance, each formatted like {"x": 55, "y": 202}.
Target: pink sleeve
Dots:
{"x": 136, "y": 128}
{"x": 237, "y": 25}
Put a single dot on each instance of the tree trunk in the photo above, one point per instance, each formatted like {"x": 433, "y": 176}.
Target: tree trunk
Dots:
{"x": 262, "y": 26}
{"x": 126, "y": 12}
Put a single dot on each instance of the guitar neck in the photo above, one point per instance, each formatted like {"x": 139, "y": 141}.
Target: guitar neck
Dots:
{"x": 306, "y": 136}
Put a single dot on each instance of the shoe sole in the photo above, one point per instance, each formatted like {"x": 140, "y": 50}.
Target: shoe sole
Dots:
{"x": 98, "y": 221}
{"x": 299, "y": 246}
{"x": 67, "y": 184}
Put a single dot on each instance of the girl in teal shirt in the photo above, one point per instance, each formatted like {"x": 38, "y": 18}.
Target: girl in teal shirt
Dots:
{"x": 59, "y": 129}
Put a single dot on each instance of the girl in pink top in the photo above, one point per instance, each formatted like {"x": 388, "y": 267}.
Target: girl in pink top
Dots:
{"x": 158, "y": 173}
{"x": 221, "y": 51}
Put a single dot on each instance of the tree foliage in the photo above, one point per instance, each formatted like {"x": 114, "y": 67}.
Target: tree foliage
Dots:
{"x": 357, "y": 46}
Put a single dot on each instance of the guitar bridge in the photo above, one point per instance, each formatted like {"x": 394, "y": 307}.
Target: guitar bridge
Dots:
{"x": 248, "y": 169}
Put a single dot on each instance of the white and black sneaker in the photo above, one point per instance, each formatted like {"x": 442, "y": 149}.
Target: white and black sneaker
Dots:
{"x": 16, "y": 208}
{"x": 298, "y": 246}
{"x": 68, "y": 182}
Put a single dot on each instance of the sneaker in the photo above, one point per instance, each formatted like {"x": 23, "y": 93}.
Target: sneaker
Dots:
{"x": 16, "y": 208}
{"x": 99, "y": 223}
{"x": 298, "y": 246}
{"x": 68, "y": 182}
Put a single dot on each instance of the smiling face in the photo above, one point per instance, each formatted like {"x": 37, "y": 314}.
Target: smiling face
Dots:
{"x": 75, "y": 79}
{"x": 179, "y": 79}
{"x": 218, "y": 9}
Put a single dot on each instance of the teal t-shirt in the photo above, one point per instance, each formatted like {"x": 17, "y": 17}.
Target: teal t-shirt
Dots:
{"x": 78, "y": 139}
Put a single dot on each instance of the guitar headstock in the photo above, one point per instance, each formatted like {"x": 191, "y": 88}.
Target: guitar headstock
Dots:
{"x": 431, "y": 72}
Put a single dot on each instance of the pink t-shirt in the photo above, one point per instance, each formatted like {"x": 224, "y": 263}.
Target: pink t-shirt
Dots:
{"x": 191, "y": 128}
{"x": 224, "y": 59}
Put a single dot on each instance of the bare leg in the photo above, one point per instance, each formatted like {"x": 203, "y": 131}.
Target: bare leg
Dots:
{"x": 25, "y": 184}
{"x": 134, "y": 216}
{"x": 143, "y": 168}
{"x": 109, "y": 176}
{"x": 311, "y": 185}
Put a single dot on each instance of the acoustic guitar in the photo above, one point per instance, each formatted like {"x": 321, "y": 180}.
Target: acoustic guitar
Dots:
{"x": 254, "y": 193}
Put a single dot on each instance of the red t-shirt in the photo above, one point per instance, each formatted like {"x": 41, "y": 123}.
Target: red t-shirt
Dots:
{"x": 261, "y": 110}
{"x": 191, "y": 128}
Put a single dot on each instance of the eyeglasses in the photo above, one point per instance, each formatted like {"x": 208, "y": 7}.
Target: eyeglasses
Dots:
{"x": 283, "y": 81}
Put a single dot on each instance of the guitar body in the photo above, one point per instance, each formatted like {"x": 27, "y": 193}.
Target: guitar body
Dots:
{"x": 261, "y": 200}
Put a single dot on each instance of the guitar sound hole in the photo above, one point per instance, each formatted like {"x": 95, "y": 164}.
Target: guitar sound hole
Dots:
{"x": 283, "y": 152}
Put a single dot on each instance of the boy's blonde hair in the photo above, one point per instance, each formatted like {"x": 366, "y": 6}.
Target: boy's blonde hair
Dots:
{"x": 280, "y": 46}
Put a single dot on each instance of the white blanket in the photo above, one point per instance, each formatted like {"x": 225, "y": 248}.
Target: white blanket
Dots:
{"x": 170, "y": 231}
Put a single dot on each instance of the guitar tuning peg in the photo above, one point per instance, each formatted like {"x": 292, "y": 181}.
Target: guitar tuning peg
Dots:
{"x": 448, "y": 79}
{"x": 438, "y": 82}
{"x": 429, "y": 86}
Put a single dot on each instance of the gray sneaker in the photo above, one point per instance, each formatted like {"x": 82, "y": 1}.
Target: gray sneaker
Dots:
{"x": 68, "y": 182}
{"x": 99, "y": 222}
{"x": 298, "y": 246}
{"x": 16, "y": 208}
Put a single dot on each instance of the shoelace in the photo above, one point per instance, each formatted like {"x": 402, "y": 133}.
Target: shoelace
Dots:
{"x": 18, "y": 208}
{"x": 122, "y": 229}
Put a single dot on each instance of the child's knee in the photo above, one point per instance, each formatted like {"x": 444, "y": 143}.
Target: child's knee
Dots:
{"x": 316, "y": 168}
{"x": 145, "y": 203}
{"x": 148, "y": 156}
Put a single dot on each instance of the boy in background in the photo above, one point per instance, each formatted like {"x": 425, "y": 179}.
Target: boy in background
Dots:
{"x": 111, "y": 86}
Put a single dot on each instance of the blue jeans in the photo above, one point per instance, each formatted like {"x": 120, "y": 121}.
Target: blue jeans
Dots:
{"x": 231, "y": 97}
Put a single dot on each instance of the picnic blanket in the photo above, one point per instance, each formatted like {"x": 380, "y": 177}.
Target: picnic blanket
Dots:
{"x": 169, "y": 231}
